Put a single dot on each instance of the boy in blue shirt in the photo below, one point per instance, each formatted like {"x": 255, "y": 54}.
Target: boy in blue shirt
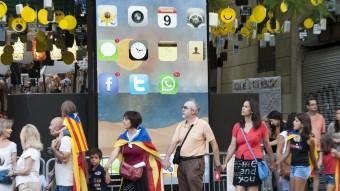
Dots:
{"x": 98, "y": 179}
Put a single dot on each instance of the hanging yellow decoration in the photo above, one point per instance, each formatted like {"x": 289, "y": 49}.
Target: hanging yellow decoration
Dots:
{"x": 259, "y": 13}
{"x": 308, "y": 23}
{"x": 19, "y": 25}
{"x": 59, "y": 15}
{"x": 3, "y": 9}
{"x": 226, "y": 28}
{"x": 283, "y": 7}
{"x": 67, "y": 57}
{"x": 273, "y": 30}
{"x": 28, "y": 14}
{"x": 72, "y": 22}
{"x": 245, "y": 32}
{"x": 227, "y": 15}
{"x": 42, "y": 16}
{"x": 316, "y": 2}
{"x": 6, "y": 58}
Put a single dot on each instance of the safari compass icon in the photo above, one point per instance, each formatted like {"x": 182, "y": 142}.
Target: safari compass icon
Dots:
{"x": 168, "y": 84}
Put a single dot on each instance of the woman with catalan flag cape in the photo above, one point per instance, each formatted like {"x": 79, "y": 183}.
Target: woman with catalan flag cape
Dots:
{"x": 134, "y": 147}
{"x": 79, "y": 144}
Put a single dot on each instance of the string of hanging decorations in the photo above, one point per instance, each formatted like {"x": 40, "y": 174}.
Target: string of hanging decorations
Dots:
{"x": 48, "y": 33}
{"x": 267, "y": 18}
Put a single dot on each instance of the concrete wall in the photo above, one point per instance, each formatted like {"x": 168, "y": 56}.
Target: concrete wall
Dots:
{"x": 288, "y": 66}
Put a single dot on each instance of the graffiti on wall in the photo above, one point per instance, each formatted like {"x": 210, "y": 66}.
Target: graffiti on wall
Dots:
{"x": 268, "y": 88}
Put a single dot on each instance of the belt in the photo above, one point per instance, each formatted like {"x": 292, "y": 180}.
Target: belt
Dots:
{"x": 192, "y": 157}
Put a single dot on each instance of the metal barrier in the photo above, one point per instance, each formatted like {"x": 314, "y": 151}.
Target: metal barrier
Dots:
{"x": 170, "y": 177}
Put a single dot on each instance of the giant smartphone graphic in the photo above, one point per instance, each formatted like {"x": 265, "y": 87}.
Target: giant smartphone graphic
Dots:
{"x": 151, "y": 57}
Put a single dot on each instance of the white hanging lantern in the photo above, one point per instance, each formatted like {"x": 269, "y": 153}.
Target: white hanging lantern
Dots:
{"x": 1, "y": 50}
{"x": 19, "y": 50}
{"x": 74, "y": 49}
{"x": 55, "y": 53}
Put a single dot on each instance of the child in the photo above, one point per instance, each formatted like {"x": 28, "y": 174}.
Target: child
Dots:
{"x": 98, "y": 179}
{"x": 329, "y": 161}
{"x": 302, "y": 146}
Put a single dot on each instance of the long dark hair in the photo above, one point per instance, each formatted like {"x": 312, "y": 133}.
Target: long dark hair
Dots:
{"x": 278, "y": 116}
{"x": 255, "y": 116}
{"x": 290, "y": 120}
{"x": 337, "y": 123}
{"x": 307, "y": 124}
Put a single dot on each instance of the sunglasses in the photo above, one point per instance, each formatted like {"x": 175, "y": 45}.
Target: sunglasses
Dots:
{"x": 185, "y": 107}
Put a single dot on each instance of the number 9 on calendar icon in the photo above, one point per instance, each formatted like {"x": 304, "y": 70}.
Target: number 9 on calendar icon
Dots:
{"x": 167, "y": 17}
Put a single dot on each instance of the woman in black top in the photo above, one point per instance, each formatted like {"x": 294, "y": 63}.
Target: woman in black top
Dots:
{"x": 302, "y": 147}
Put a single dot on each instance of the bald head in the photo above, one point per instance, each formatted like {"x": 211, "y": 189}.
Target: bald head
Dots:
{"x": 55, "y": 125}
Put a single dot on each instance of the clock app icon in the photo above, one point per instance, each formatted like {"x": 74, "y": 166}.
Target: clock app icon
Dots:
{"x": 138, "y": 50}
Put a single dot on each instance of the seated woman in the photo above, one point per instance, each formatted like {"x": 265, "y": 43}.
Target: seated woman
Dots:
{"x": 135, "y": 148}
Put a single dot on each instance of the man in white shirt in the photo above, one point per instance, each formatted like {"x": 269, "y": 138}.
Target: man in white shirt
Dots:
{"x": 63, "y": 165}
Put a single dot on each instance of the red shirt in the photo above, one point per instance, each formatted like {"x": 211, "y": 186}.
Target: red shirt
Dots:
{"x": 254, "y": 137}
{"x": 329, "y": 164}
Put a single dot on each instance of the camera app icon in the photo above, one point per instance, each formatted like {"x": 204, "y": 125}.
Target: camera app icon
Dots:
{"x": 137, "y": 16}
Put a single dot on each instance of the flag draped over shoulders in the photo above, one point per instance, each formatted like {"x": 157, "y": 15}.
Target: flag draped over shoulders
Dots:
{"x": 337, "y": 175}
{"x": 153, "y": 165}
{"x": 79, "y": 147}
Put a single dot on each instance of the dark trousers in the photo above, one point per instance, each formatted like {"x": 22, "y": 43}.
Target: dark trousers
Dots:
{"x": 190, "y": 175}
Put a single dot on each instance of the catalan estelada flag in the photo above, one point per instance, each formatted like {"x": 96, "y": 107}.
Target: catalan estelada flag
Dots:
{"x": 337, "y": 175}
{"x": 79, "y": 147}
{"x": 153, "y": 166}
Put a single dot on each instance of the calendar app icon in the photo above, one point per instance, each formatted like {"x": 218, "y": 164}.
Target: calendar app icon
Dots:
{"x": 167, "y": 17}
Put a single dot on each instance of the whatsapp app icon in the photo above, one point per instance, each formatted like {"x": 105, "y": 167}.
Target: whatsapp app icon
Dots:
{"x": 168, "y": 84}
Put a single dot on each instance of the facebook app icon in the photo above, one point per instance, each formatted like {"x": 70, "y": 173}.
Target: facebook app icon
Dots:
{"x": 139, "y": 84}
{"x": 108, "y": 84}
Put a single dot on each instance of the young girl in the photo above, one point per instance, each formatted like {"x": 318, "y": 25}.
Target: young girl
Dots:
{"x": 301, "y": 146}
{"x": 329, "y": 161}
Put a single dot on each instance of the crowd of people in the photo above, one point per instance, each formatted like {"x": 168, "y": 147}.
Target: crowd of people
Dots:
{"x": 295, "y": 150}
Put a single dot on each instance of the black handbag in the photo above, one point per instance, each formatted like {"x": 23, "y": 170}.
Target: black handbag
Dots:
{"x": 177, "y": 156}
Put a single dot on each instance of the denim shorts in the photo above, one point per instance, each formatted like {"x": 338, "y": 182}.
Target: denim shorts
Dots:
{"x": 64, "y": 188}
{"x": 300, "y": 171}
{"x": 330, "y": 179}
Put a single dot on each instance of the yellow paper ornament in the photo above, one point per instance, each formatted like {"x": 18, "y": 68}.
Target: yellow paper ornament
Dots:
{"x": 71, "y": 22}
{"x": 227, "y": 15}
{"x": 259, "y": 13}
{"x": 273, "y": 30}
{"x": 42, "y": 16}
{"x": 28, "y": 14}
{"x": 283, "y": 7}
{"x": 59, "y": 15}
{"x": 316, "y": 2}
{"x": 19, "y": 25}
{"x": 3, "y": 9}
{"x": 308, "y": 23}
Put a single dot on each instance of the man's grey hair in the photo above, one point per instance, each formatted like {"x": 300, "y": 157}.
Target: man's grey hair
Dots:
{"x": 196, "y": 105}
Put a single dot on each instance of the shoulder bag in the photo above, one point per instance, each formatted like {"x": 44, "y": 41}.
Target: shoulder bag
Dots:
{"x": 177, "y": 156}
{"x": 129, "y": 172}
{"x": 262, "y": 167}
